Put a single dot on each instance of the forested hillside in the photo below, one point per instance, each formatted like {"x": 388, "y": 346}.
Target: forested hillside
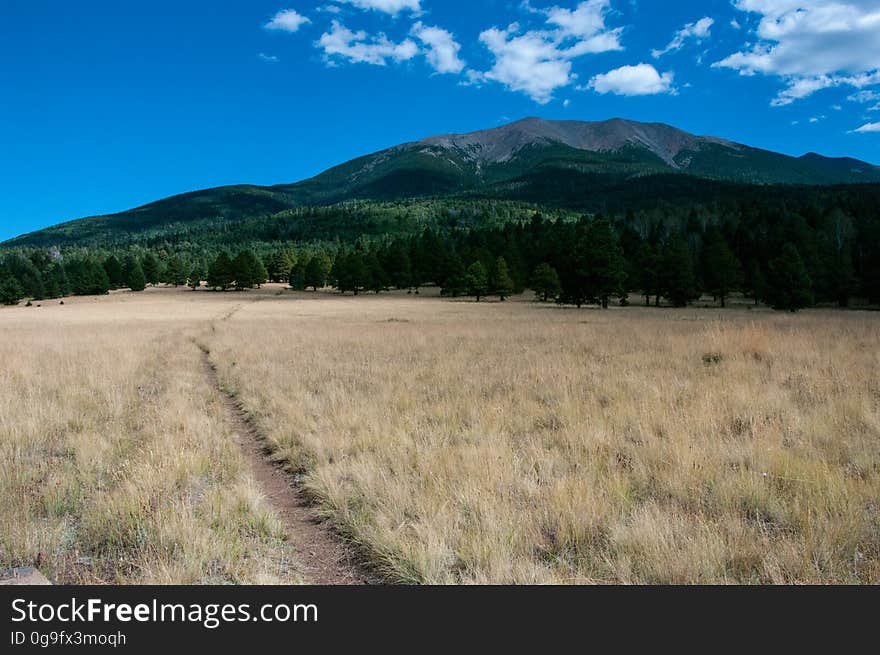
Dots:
{"x": 789, "y": 247}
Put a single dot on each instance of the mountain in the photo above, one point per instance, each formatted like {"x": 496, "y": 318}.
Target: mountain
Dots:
{"x": 564, "y": 163}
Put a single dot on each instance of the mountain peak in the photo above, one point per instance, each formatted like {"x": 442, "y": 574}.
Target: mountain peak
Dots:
{"x": 502, "y": 143}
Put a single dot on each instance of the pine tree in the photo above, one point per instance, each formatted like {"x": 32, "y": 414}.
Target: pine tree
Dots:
{"x": 175, "y": 272}
{"x": 11, "y": 291}
{"x": 502, "y": 284}
{"x": 136, "y": 280}
{"x": 756, "y": 283}
{"x": 789, "y": 284}
{"x": 58, "y": 284}
{"x": 679, "y": 281}
{"x": 248, "y": 271}
{"x": 454, "y": 276}
{"x": 297, "y": 274}
{"x": 648, "y": 280}
{"x": 115, "y": 272}
{"x": 477, "y": 280}
{"x": 378, "y": 280}
{"x": 194, "y": 279}
{"x": 339, "y": 272}
{"x": 395, "y": 260}
{"x": 723, "y": 270}
{"x": 221, "y": 273}
{"x": 316, "y": 271}
{"x": 278, "y": 265}
{"x": 605, "y": 264}
{"x": 359, "y": 274}
{"x": 545, "y": 282}
{"x": 152, "y": 268}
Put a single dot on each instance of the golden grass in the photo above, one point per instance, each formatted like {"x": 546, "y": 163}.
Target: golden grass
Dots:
{"x": 456, "y": 442}
{"x": 117, "y": 461}
{"x": 519, "y": 443}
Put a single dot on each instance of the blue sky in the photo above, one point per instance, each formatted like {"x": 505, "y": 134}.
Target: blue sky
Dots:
{"x": 106, "y": 105}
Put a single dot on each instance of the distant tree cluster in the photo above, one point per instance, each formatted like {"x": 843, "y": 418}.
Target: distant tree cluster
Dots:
{"x": 825, "y": 250}
{"x": 245, "y": 271}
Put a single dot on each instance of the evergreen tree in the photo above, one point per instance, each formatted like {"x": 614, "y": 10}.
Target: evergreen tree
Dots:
{"x": 359, "y": 274}
{"x": 115, "y": 272}
{"x": 11, "y": 291}
{"x": 396, "y": 262}
{"x": 377, "y": 278}
{"x": 316, "y": 271}
{"x": 27, "y": 275}
{"x": 455, "y": 280}
{"x": 339, "y": 272}
{"x": 175, "y": 272}
{"x": 152, "y": 268}
{"x": 606, "y": 268}
{"x": 136, "y": 280}
{"x": 88, "y": 278}
{"x": 194, "y": 279}
{"x": 679, "y": 281}
{"x": 351, "y": 273}
{"x": 57, "y": 285}
{"x": 298, "y": 274}
{"x": 477, "y": 280}
{"x": 221, "y": 273}
{"x": 248, "y": 271}
{"x": 502, "y": 284}
{"x": 756, "y": 284}
{"x": 723, "y": 270}
{"x": 648, "y": 278}
{"x": 574, "y": 268}
{"x": 545, "y": 282}
{"x": 278, "y": 265}
{"x": 789, "y": 283}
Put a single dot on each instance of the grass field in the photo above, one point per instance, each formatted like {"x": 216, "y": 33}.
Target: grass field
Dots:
{"x": 117, "y": 465}
{"x": 454, "y": 442}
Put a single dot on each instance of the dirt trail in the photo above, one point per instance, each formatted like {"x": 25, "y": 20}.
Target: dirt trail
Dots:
{"x": 322, "y": 557}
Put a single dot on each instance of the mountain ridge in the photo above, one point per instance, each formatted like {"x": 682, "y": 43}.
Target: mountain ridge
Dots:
{"x": 501, "y": 162}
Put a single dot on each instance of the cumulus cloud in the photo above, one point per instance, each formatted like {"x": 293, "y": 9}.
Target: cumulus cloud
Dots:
{"x": 287, "y": 20}
{"x": 639, "y": 80}
{"x": 272, "y": 59}
{"x": 362, "y": 48}
{"x": 442, "y": 49}
{"x": 697, "y": 31}
{"x": 869, "y": 127}
{"x": 537, "y": 62}
{"x": 392, "y": 7}
{"x": 811, "y": 45}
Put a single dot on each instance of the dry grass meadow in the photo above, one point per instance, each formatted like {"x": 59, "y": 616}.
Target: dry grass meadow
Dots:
{"x": 454, "y": 442}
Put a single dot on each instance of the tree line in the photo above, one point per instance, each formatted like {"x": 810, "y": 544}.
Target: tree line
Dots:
{"x": 786, "y": 259}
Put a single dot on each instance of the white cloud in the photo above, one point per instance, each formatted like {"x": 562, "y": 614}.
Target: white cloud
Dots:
{"x": 287, "y": 20}
{"x": 869, "y": 127}
{"x": 864, "y": 96}
{"x": 442, "y": 49}
{"x": 735, "y": 24}
{"x": 811, "y": 45}
{"x": 272, "y": 59}
{"x": 538, "y": 62}
{"x": 392, "y": 7}
{"x": 698, "y": 30}
{"x": 639, "y": 80}
{"x": 360, "y": 47}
